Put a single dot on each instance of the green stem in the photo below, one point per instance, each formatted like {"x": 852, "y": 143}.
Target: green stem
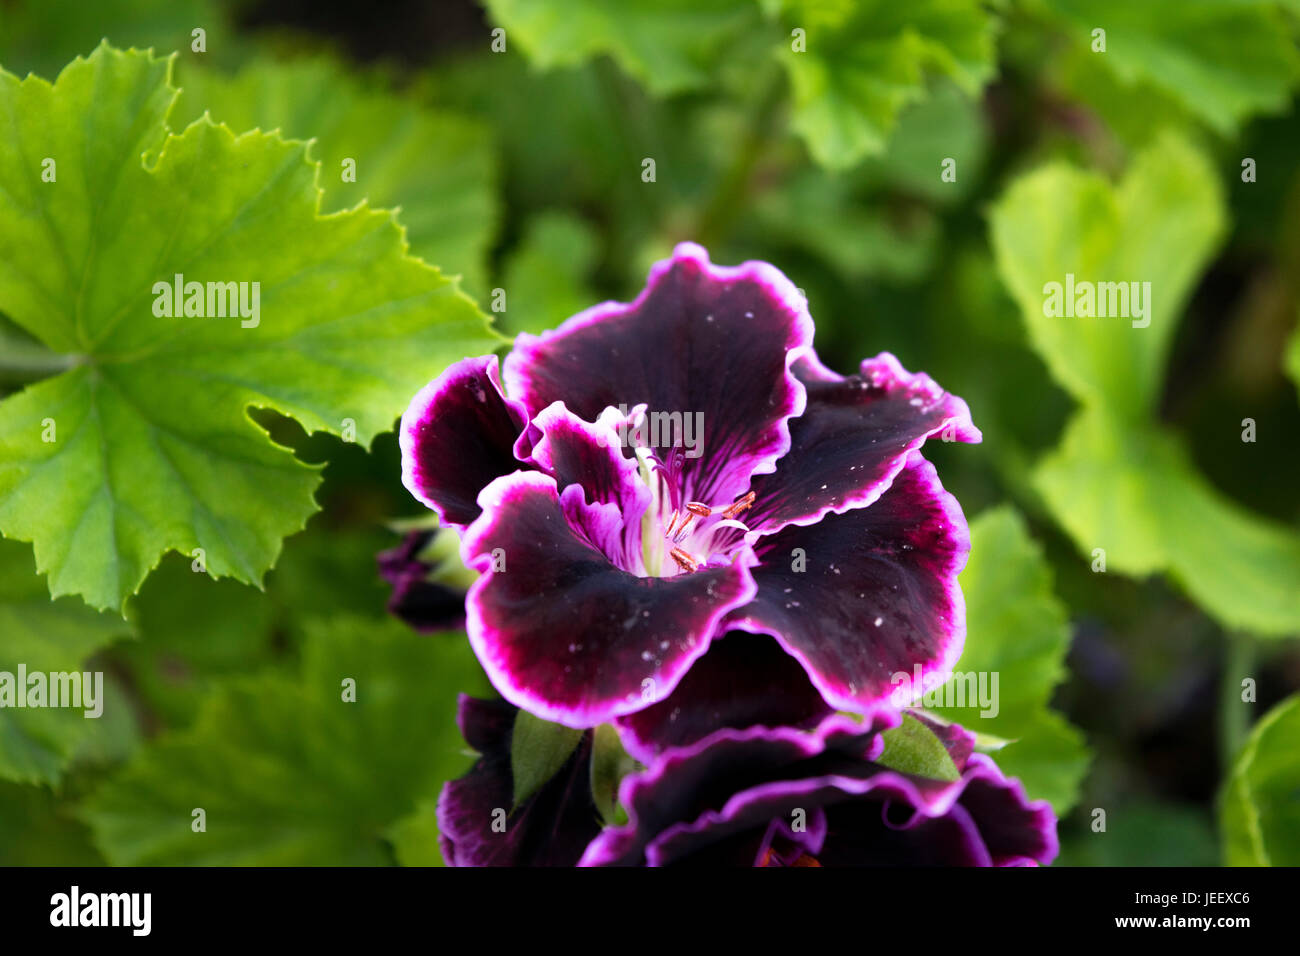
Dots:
{"x": 1234, "y": 713}
{"x": 26, "y": 357}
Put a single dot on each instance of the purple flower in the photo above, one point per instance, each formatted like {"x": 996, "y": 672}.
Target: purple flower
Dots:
{"x": 663, "y": 472}
{"x": 783, "y": 797}
{"x": 478, "y": 826}
{"x": 425, "y": 604}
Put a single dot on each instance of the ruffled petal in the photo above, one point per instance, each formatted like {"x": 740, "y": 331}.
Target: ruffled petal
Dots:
{"x": 853, "y": 438}
{"x": 781, "y": 797}
{"x": 708, "y": 344}
{"x": 476, "y": 823}
{"x": 1016, "y": 831}
{"x": 744, "y": 680}
{"x": 457, "y": 435}
{"x": 869, "y": 598}
{"x": 586, "y": 455}
{"x": 561, "y": 630}
{"x": 695, "y": 783}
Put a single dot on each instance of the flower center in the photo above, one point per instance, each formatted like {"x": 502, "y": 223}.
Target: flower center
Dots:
{"x": 680, "y": 537}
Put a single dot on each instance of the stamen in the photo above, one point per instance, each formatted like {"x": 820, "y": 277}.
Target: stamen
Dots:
{"x": 684, "y": 560}
{"x": 694, "y": 509}
{"x": 740, "y": 505}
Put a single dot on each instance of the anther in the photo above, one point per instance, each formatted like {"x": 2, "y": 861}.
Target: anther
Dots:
{"x": 694, "y": 509}
{"x": 684, "y": 560}
{"x": 739, "y": 506}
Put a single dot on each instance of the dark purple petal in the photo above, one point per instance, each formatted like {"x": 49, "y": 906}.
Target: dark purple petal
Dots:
{"x": 982, "y": 819}
{"x": 864, "y": 597}
{"x": 687, "y": 783}
{"x": 694, "y": 795}
{"x": 751, "y": 831}
{"x": 702, "y": 340}
{"x": 860, "y": 834}
{"x": 587, "y": 455}
{"x": 425, "y": 605}
{"x": 550, "y": 828}
{"x": 781, "y": 797}
{"x": 852, "y": 439}
{"x": 1016, "y": 831}
{"x": 457, "y": 435}
{"x": 744, "y": 680}
{"x": 564, "y": 632}
{"x": 428, "y": 606}
{"x": 404, "y": 560}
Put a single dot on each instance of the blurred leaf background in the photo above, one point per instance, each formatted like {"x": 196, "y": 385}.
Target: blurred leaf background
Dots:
{"x": 521, "y": 169}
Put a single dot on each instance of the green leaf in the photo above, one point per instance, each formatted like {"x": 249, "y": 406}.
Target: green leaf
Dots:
{"x": 1224, "y": 60}
{"x": 36, "y": 829}
{"x": 1259, "y": 806}
{"x": 913, "y": 748}
{"x": 819, "y": 212}
{"x": 546, "y": 277}
{"x": 42, "y": 35}
{"x": 287, "y": 770}
{"x": 1159, "y": 225}
{"x": 415, "y": 837}
{"x": 1118, "y": 482}
{"x": 1142, "y": 832}
{"x": 538, "y": 749}
{"x": 867, "y": 60}
{"x": 945, "y": 124}
{"x": 195, "y": 631}
{"x": 36, "y": 744}
{"x": 1017, "y": 629}
{"x": 669, "y": 45}
{"x": 610, "y": 763}
{"x": 116, "y": 736}
{"x": 439, "y": 168}
{"x": 1130, "y": 490}
{"x": 153, "y": 446}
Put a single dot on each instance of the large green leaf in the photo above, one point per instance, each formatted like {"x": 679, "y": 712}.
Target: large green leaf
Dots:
{"x": 1119, "y": 482}
{"x": 1223, "y": 60}
{"x": 1158, "y": 225}
{"x": 437, "y": 167}
{"x": 287, "y": 770}
{"x": 865, "y": 61}
{"x": 153, "y": 446}
{"x": 669, "y": 45}
{"x": 44, "y": 636}
{"x": 1133, "y": 492}
{"x": 1259, "y": 807}
{"x": 1017, "y": 629}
